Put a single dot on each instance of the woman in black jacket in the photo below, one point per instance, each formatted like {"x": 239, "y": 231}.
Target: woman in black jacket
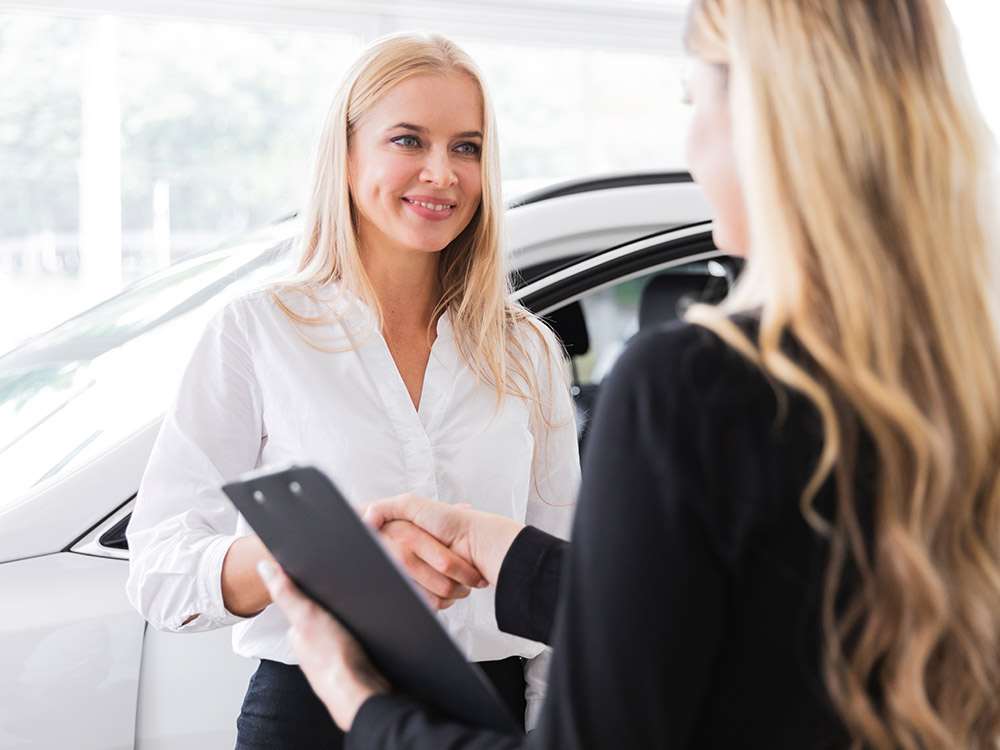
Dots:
{"x": 789, "y": 529}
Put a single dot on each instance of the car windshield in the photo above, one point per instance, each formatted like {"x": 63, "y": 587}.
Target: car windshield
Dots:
{"x": 70, "y": 394}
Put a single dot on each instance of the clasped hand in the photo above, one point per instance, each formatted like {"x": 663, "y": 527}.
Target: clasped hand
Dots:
{"x": 443, "y": 574}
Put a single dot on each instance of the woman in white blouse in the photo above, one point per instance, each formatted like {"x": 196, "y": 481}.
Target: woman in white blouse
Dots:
{"x": 394, "y": 360}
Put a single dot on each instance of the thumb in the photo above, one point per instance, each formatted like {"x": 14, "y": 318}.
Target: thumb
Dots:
{"x": 377, "y": 513}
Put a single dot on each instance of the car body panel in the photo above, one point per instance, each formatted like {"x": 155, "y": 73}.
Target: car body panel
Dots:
{"x": 76, "y": 501}
{"x": 183, "y": 705}
{"x": 582, "y": 223}
{"x": 71, "y": 654}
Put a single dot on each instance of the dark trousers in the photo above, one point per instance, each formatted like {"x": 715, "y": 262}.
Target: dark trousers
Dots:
{"x": 281, "y": 712}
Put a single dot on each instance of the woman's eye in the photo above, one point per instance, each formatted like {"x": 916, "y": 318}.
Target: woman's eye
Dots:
{"x": 469, "y": 149}
{"x": 407, "y": 141}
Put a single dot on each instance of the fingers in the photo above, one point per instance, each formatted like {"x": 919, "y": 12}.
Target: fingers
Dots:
{"x": 429, "y": 563}
{"x": 437, "y": 602}
{"x": 333, "y": 661}
{"x": 439, "y": 520}
{"x": 480, "y": 539}
{"x": 440, "y": 590}
{"x": 313, "y": 629}
{"x": 376, "y": 513}
{"x": 440, "y": 558}
{"x": 311, "y": 625}
{"x": 284, "y": 593}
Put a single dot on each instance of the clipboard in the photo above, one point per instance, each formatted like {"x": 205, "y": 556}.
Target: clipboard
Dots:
{"x": 334, "y": 558}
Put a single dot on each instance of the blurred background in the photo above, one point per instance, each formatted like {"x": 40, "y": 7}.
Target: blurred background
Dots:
{"x": 134, "y": 133}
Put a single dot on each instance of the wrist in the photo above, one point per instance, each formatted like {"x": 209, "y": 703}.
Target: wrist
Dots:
{"x": 358, "y": 689}
{"x": 490, "y": 541}
{"x": 243, "y": 592}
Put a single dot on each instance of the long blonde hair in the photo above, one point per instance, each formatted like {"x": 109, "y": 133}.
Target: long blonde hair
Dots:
{"x": 867, "y": 173}
{"x": 472, "y": 269}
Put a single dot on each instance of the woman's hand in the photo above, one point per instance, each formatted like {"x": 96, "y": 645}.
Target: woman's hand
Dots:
{"x": 333, "y": 661}
{"x": 442, "y": 575}
{"x": 480, "y": 538}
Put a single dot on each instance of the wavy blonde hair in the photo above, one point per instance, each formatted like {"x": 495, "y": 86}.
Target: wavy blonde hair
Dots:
{"x": 472, "y": 269}
{"x": 867, "y": 174}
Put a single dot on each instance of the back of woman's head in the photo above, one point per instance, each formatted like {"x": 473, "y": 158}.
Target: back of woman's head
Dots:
{"x": 867, "y": 174}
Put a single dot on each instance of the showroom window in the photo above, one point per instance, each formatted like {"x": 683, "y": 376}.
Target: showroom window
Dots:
{"x": 128, "y": 142}
{"x": 568, "y": 112}
{"x": 133, "y": 134}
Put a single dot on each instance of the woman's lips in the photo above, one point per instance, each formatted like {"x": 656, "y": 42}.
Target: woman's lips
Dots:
{"x": 428, "y": 207}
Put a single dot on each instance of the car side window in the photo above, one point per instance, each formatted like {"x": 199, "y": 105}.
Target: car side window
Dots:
{"x": 614, "y": 314}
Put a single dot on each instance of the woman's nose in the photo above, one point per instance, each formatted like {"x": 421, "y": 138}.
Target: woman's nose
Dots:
{"x": 438, "y": 169}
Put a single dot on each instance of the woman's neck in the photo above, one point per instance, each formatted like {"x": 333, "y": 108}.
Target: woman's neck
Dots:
{"x": 408, "y": 291}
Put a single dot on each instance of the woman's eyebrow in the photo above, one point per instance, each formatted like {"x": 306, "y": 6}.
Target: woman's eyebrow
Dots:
{"x": 421, "y": 129}
{"x": 408, "y": 126}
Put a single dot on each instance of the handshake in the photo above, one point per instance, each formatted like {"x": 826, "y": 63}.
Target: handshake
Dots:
{"x": 447, "y": 550}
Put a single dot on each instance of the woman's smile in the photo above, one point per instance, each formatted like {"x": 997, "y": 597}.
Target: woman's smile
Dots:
{"x": 416, "y": 175}
{"x": 428, "y": 207}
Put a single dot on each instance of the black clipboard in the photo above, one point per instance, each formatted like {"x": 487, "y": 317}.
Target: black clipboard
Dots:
{"x": 332, "y": 556}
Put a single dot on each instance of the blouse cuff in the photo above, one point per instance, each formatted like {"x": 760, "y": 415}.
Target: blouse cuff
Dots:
{"x": 528, "y": 585}
{"x": 211, "y": 606}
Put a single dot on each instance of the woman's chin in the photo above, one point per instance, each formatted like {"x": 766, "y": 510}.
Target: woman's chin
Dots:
{"x": 727, "y": 243}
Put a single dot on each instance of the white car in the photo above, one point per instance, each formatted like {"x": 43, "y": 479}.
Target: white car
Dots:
{"x": 80, "y": 407}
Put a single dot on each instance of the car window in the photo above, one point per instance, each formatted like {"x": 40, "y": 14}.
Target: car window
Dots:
{"x": 614, "y": 314}
{"x": 596, "y": 328}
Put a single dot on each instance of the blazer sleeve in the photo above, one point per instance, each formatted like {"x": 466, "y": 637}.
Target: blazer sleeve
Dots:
{"x": 527, "y": 588}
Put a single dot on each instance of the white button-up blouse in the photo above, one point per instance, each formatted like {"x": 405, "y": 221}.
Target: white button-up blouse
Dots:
{"x": 257, "y": 393}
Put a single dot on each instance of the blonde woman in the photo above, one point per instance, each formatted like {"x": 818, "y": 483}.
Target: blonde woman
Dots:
{"x": 395, "y": 360}
{"x": 789, "y": 529}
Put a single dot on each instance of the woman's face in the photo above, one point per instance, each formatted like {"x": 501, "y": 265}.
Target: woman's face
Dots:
{"x": 415, "y": 164}
{"x": 712, "y": 158}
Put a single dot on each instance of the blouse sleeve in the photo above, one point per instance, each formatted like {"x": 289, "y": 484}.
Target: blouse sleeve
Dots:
{"x": 183, "y": 525}
{"x": 555, "y": 482}
{"x": 555, "y": 479}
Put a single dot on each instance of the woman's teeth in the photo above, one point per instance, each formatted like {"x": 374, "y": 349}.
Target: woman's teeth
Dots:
{"x": 431, "y": 206}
